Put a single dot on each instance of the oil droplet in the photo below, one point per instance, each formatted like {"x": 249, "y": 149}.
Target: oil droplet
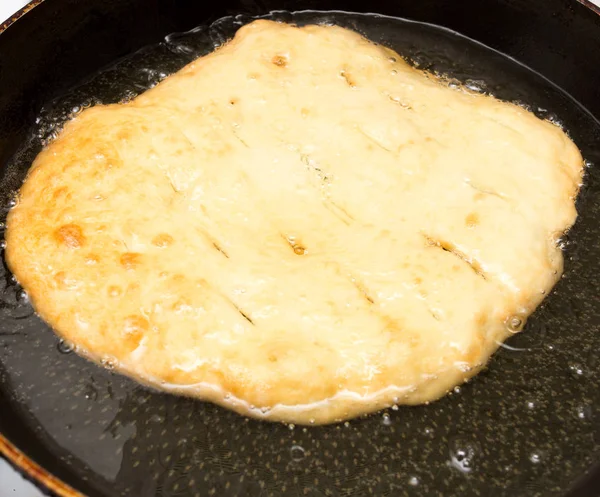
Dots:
{"x": 291, "y": 426}
{"x": 347, "y": 424}
{"x": 457, "y": 389}
{"x": 535, "y": 458}
{"x": 65, "y": 347}
{"x": 386, "y": 419}
{"x": 530, "y": 404}
{"x": 395, "y": 407}
{"x": 3, "y": 244}
{"x": 297, "y": 453}
{"x": 428, "y": 432}
{"x": 413, "y": 481}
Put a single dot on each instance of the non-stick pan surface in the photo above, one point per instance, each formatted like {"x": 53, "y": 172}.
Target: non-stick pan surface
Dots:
{"x": 529, "y": 425}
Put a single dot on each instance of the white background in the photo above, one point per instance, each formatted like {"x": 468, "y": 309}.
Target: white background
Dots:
{"x": 11, "y": 484}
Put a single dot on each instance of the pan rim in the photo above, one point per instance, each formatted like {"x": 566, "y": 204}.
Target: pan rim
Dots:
{"x": 36, "y": 473}
{"x": 592, "y": 6}
{"x": 21, "y": 12}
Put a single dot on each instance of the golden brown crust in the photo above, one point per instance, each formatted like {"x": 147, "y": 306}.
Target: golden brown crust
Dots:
{"x": 296, "y": 227}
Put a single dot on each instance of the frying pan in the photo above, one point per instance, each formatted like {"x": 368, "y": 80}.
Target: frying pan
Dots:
{"x": 527, "y": 426}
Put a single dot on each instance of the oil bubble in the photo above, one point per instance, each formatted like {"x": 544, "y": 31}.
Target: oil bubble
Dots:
{"x": 514, "y": 324}
{"x": 413, "y": 481}
{"x": 554, "y": 119}
{"x": 576, "y": 370}
{"x": 476, "y": 85}
{"x": 584, "y": 412}
{"x": 109, "y": 363}
{"x": 22, "y": 297}
{"x": 386, "y": 419}
{"x": 463, "y": 454}
{"x": 65, "y": 347}
{"x": 463, "y": 366}
{"x": 297, "y": 453}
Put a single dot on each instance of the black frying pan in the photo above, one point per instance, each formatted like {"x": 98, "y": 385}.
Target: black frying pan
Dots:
{"x": 529, "y": 425}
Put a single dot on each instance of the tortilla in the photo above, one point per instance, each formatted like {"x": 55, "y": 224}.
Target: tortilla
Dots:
{"x": 299, "y": 226}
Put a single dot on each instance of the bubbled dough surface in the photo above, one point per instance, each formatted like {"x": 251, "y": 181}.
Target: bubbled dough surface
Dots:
{"x": 296, "y": 226}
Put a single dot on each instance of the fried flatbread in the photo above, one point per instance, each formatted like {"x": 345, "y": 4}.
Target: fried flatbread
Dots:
{"x": 298, "y": 226}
